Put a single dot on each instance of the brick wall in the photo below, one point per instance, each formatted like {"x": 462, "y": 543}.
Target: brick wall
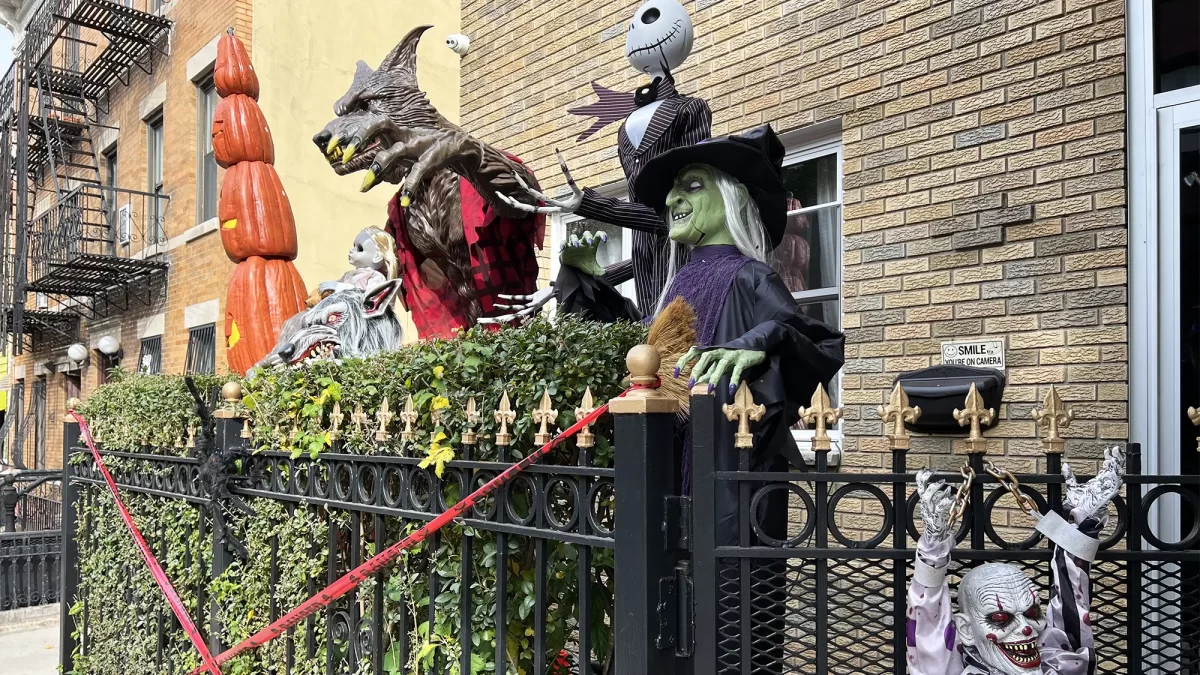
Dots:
{"x": 983, "y": 171}
{"x": 198, "y": 268}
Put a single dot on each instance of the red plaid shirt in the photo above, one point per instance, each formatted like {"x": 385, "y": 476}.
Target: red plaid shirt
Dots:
{"x": 503, "y": 261}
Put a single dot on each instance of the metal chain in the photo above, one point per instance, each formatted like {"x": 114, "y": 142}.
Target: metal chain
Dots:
{"x": 1010, "y": 482}
{"x": 960, "y": 498}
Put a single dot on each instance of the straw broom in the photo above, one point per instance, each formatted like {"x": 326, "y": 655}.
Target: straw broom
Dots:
{"x": 673, "y": 333}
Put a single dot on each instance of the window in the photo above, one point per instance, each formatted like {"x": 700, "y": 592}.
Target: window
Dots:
{"x": 150, "y": 358}
{"x": 206, "y": 172}
{"x": 118, "y": 220}
{"x": 154, "y": 170}
{"x": 809, "y": 258}
{"x": 202, "y": 350}
{"x": 73, "y": 47}
{"x": 618, "y": 247}
{"x": 1176, "y": 49}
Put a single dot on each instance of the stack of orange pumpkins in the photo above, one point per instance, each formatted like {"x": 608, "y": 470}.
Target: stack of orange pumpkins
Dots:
{"x": 258, "y": 229}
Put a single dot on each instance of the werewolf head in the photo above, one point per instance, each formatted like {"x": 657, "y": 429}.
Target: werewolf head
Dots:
{"x": 391, "y": 91}
{"x": 348, "y": 323}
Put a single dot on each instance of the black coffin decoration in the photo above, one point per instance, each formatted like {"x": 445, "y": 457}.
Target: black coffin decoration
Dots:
{"x": 940, "y": 389}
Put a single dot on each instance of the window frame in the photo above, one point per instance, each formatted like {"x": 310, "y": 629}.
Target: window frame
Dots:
{"x": 154, "y": 343}
{"x": 206, "y": 193}
{"x": 197, "y": 337}
{"x": 797, "y": 152}
{"x": 559, "y": 223}
{"x": 155, "y": 159}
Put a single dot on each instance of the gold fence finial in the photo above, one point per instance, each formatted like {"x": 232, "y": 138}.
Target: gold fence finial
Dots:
{"x": 585, "y": 438}
{"x": 645, "y": 397}
{"x": 504, "y": 416}
{"x": 896, "y": 414}
{"x": 231, "y": 396}
{"x": 409, "y": 417}
{"x": 385, "y": 418}
{"x": 469, "y": 437}
{"x": 358, "y": 417}
{"x": 335, "y": 421}
{"x": 743, "y": 409}
{"x": 544, "y": 415}
{"x": 976, "y": 416}
{"x": 191, "y": 436}
{"x": 1054, "y": 416}
{"x": 246, "y": 428}
{"x": 821, "y": 414}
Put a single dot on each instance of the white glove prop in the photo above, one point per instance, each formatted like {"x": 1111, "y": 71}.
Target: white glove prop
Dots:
{"x": 1089, "y": 500}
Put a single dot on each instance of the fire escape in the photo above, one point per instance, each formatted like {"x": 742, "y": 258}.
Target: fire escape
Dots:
{"x": 72, "y": 243}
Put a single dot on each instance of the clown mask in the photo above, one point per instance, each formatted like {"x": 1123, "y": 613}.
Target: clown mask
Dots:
{"x": 1000, "y": 620}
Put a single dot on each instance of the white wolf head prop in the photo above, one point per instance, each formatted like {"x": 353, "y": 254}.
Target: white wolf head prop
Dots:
{"x": 348, "y": 323}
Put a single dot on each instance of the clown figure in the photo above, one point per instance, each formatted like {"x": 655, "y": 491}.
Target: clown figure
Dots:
{"x": 1001, "y": 627}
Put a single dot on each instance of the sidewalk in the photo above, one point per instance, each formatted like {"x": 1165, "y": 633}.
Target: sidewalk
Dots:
{"x": 29, "y": 646}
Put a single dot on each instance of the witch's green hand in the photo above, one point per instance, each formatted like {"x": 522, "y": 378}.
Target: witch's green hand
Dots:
{"x": 580, "y": 252}
{"x": 716, "y": 363}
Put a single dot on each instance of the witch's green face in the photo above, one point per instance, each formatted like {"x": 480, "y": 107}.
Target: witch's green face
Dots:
{"x": 696, "y": 209}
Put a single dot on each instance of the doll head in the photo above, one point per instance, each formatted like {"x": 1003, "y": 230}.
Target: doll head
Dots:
{"x": 375, "y": 249}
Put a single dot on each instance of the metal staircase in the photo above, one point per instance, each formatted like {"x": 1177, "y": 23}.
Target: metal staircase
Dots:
{"x": 65, "y": 235}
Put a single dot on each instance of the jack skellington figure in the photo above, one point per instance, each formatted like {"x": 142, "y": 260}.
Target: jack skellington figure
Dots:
{"x": 1000, "y": 628}
{"x": 657, "y": 118}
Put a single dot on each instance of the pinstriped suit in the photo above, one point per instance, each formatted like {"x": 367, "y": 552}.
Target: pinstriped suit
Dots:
{"x": 678, "y": 121}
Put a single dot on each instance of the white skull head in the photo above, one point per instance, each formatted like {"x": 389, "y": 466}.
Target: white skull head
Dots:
{"x": 1000, "y": 619}
{"x": 660, "y": 37}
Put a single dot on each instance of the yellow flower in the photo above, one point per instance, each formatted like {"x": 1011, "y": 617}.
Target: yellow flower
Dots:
{"x": 439, "y": 402}
{"x": 438, "y": 455}
{"x": 438, "y": 370}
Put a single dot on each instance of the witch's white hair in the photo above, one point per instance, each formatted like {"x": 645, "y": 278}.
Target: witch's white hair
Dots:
{"x": 744, "y": 223}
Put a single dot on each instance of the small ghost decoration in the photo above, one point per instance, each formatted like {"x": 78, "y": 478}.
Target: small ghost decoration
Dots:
{"x": 660, "y": 37}
{"x": 459, "y": 43}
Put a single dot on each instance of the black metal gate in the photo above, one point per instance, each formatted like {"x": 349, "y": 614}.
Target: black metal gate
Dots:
{"x": 830, "y": 596}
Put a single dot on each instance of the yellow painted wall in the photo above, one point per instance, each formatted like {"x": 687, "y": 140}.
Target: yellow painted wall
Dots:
{"x": 305, "y": 55}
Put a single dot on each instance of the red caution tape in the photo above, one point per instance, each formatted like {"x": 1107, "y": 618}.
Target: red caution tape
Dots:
{"x": 160, "y": 577}
{"x": 356, "y": 576}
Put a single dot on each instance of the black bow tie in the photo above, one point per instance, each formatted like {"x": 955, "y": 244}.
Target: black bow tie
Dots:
{"x": 647, "y": 94}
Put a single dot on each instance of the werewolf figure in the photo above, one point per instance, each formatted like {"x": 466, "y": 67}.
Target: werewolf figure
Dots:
{"x": 460, "y": 245}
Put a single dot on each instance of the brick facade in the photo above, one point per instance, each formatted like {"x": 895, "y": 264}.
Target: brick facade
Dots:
{"x": 983, "y": 172}
{"x": 198, "y": 265}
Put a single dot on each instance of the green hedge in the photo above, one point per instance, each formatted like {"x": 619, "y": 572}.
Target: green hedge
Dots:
{"x": 290, "y": 410}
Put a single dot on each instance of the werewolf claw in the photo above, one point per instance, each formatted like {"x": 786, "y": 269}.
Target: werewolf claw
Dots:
{"x": 405, "y": 199}
{"x": 369, "y": 180}
{"x": 349, "y": 151}
{"x": 333, "y": 144}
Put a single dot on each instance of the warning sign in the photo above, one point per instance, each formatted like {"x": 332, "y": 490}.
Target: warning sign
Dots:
{"x": 976, "y": 353}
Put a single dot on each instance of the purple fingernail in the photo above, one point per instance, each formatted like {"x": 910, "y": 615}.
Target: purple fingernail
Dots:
{"x": 711, "y": 387}
{"x": 731, "y": 389}
{"x": 676, "y": 371}
{"x": 691, "y": 383}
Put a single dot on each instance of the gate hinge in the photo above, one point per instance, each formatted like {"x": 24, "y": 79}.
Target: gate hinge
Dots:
{"x": 674, "y": 609}
{"x": 677, "y": 523}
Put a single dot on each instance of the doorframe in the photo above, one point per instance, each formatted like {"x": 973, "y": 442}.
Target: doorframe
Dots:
{"x": 1142, "y": 214}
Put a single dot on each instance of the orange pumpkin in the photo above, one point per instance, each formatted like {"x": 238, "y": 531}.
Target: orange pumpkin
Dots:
{"x": 255, "y": 214}
{"x": 240, "y": 132}
{"x": 263, "y": 293}
{"x": 234, "y": 74}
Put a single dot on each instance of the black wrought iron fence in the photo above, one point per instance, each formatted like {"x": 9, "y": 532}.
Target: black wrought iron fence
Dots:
{"x": 31, "y": 501}
{"x": 530, "y": 568}
{"x": 811, "y": 578}
{"x": 29, "y": 568}
{"x": 814, "y": 579}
